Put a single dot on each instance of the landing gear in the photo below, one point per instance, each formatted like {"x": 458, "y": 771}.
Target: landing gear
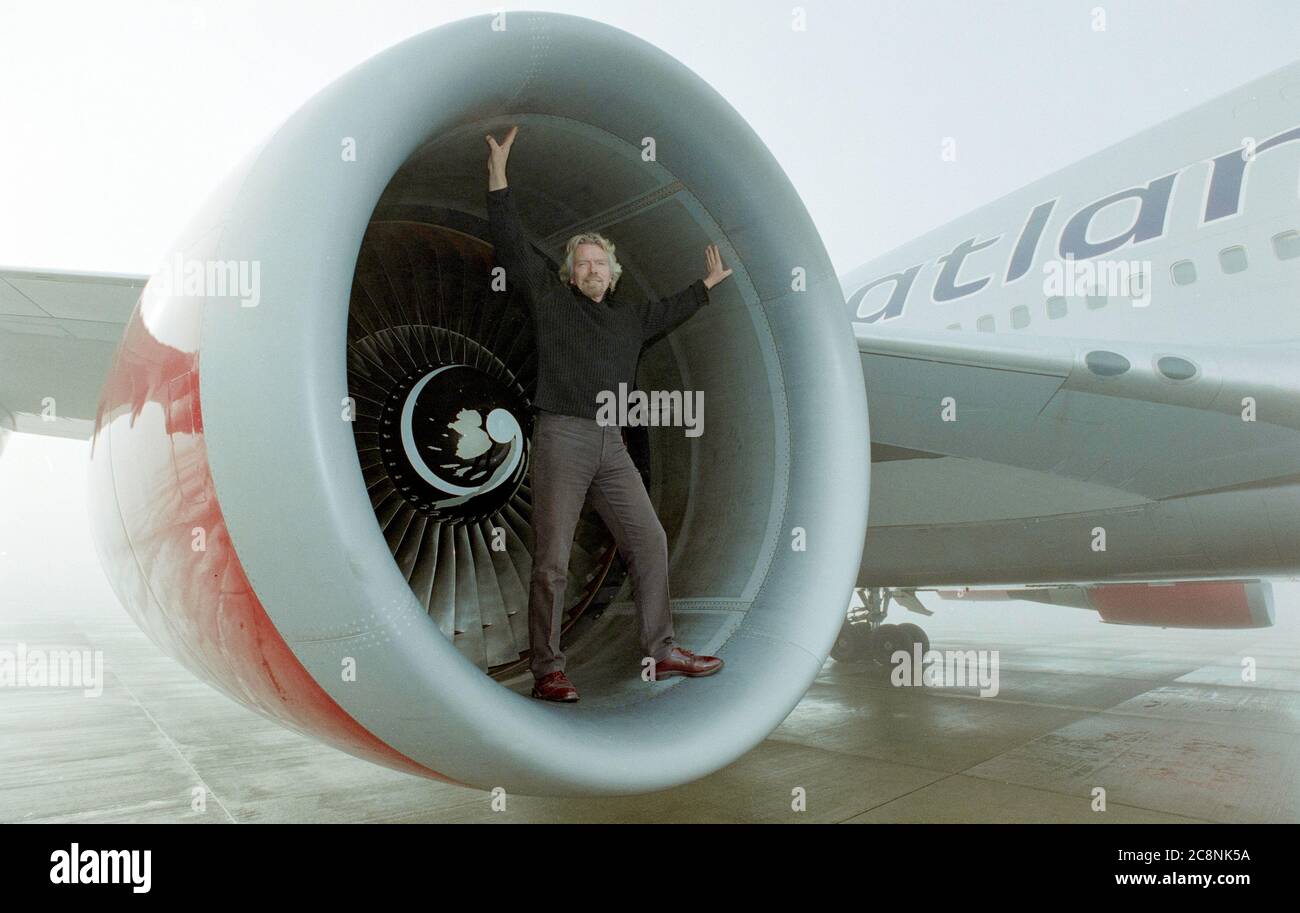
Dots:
{"x": 888, "y": 639}
{"x": 854, "y": 643}
{"x": 865, "y": 637}
{"x": 915, "y": 634}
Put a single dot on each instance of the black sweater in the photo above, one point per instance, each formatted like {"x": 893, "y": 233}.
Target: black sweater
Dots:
{"x": 583, "y": 347}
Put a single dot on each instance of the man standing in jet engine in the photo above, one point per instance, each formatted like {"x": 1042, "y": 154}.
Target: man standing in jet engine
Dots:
{"x": 587, "y": 342}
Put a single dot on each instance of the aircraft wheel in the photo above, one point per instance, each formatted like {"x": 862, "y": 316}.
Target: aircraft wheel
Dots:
{"x": 887, "y": 639}
{"x": 854, "y": 643}
{"x": 915, "y": 634}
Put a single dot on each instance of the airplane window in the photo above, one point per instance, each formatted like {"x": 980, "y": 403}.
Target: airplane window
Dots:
{"x": 1096, "y": 301}
{"x": 1056, "y": 307}
{"x": 954, "y": 326}
{"x": 1287, "y": 245}
{"x": 1183, "y": 272}
{"x": 985, "y": 324}
{"x": 1175, "y": 368}
{"x": 1019, "y": 317}
{"x": 1106, "y": 364}
{"x": 1233, "y": 259}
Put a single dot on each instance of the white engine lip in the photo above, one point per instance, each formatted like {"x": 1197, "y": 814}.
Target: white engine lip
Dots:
{"x": 273, "y": 381}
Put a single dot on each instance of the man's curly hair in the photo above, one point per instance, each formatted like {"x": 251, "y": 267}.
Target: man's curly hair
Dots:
{"x": 590, "y": 237}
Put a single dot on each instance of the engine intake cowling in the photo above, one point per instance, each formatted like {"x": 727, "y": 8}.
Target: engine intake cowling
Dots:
{"x": 237, "y": 503}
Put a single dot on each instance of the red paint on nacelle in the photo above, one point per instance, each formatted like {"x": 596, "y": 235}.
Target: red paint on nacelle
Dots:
{"x": 151, "y": 501}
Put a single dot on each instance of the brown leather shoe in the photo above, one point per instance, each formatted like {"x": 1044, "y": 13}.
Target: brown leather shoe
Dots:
{"x": 555, "y": 687}
{"x": 684, "y": 662}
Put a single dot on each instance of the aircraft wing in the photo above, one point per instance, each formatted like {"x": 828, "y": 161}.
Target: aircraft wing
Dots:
{"x": 58, "y": 333}
{"x": 1152, "y": 420}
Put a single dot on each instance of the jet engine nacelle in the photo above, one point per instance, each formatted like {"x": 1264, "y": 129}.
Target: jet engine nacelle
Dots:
{"x": 267, "y": 526}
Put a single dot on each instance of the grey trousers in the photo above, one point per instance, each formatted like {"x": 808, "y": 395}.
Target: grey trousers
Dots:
{"x": 569, "y": 456}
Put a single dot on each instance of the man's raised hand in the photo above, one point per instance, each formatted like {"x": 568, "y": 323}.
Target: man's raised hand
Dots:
{"x": 498, "y": 154}
{"x": 713, "y": 259}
